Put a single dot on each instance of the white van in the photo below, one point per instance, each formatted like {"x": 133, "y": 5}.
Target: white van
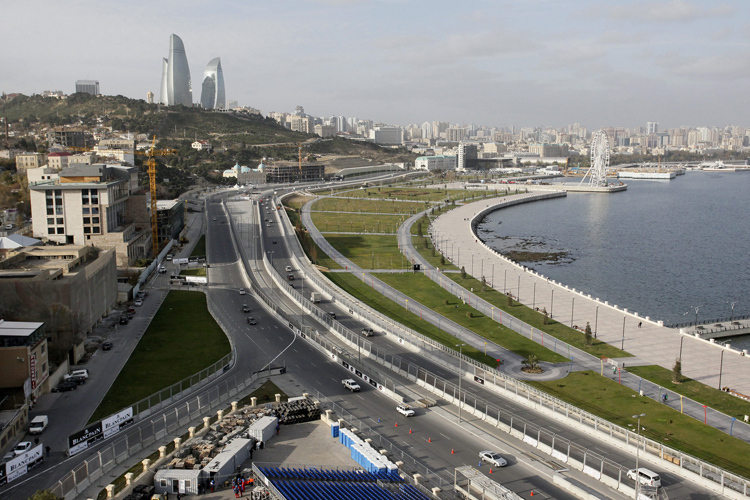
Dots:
{"x": 645, "y": 476}
{"x": 38, "y": 424}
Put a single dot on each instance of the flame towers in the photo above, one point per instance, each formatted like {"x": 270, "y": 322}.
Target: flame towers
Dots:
{"x": 212, "y": 88}
{"x": 175, "y": 79}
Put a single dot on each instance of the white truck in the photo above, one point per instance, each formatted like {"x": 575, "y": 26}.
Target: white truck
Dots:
{"x": 38, "y": 424}
{"x": 315, "y": 297}
{"x": 350, "y": 384}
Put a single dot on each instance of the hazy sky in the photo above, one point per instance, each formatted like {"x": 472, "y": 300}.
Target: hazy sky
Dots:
{"x": 489, "y": 62}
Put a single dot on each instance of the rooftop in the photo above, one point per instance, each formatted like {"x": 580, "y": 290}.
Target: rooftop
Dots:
{"x": 18, "y": 328}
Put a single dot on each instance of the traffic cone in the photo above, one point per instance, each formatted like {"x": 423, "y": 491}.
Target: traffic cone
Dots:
{"x": 396, "y": 424}
{"x": 532, "y": 493}
{"x": 452, "y": 452}
{"x": 429, "y": 440}
{"x": 490, "y": 470}
{"x": 409, "y": 431}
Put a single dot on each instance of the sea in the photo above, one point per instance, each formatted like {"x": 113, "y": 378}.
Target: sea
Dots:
{"x": 666, "y": 249}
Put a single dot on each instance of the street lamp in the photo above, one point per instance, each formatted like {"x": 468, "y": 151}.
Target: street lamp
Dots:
{"x": 695, "y": 308}
{"x": 637, "y": 450}
{"x": 460, "y": 376}
{"x": 572, "y": 307}
{"x": 731, "y": 316}
{"x": 505, "y": 282}
{"x": 472, "y": 263}
{"x": 622, "y": 344}
{"x": 533, "y": 300}
{"x": 492, "y": 285}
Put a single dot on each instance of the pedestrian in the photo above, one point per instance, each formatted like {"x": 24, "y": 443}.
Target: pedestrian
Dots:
{"x": 236, "y": 491}
{"x": 36, "y": 440}
{"x": 212, "y": 485}
{"x": 179, "y": 495}
{"x": 48, "y": 451}
{"x": 166, "y": 495}
{"x": 640, "y": 323}
{"x": 251, "y": 453}
{"x": 277, "y": 429}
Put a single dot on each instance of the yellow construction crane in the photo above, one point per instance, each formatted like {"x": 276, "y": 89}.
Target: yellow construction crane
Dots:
{"x": 151, "y": 163}
{"x": 299, "y": 146}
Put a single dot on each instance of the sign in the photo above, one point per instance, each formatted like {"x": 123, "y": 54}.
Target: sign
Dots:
{"x": 32, "y": 367}
{"x": 201, "y": 280}
{"x": 20, "y": 465}
{"x": 94, "y": 433}
{"x": 478, "y": 380}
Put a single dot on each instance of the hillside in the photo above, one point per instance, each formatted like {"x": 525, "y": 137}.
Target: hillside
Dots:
{"x": 25, "y": 114}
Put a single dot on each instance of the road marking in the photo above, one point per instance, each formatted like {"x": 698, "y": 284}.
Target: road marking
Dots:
{"x": 446, "y": 437}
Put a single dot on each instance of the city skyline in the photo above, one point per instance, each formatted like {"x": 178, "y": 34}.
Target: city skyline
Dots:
{"x": 623, "y": 63}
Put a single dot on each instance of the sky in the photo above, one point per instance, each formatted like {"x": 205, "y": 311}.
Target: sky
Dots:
{"x": 522, "y": 63}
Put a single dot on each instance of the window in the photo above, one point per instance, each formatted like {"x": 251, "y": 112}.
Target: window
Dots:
{"x": 86, "y": 210}
{"x": 163, "y": 483}
{"x": 60, "y": 230}
{"x": 44, "y": 368}
{"x": 95, "y": 220}
{"x": 95, "y": 210}
{"x": 87, "y": 220}
{"x": 44, "y": 348}
{"x": 50, "y": 230}
{"x": 50, "y": 211}
{"x": 86, "y": 230}
{"x": 95, "y": 229}
{"x": 60, "y": 220}
{"x": 50, "y": 221}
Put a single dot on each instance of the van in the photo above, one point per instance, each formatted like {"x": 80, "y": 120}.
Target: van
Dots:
{"x": 38, "y": 424}
{"x": 645, "y": 476}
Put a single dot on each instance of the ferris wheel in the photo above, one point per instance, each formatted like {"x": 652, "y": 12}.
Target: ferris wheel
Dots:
{"x": 597, "y": 172}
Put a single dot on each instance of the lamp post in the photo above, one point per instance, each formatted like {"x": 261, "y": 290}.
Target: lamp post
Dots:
{"x": 472, "y": 263}
{"x": 460, "y": 368}
{"x": 731, "y": 316}
{"x": 596, "y": 320}
{"x": 622, "y": 344}
{"x": 505, "y": 282}
{"x": 572, "y": 307}
{"x": 518, "y": 289}
{"x": 492, "y": 285}
{"x": 552, "y": 303}
{"x": 637, "y": 450}
{"x": 695, "y": 308}
{"x": 533, "y": 300}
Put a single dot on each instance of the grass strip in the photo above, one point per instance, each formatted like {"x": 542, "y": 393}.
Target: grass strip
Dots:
{"x": 617, "y": 403}
{"x": 371, "y": 251}
{"x": 536, "y": 319}
{"x": 431, "y": 295}
{"x": 360, "y": 290}
{"x": 199, "y": 250}
{"x": 196, "y": 271}
{"x": 181, "y": 340}
{"x": 697, "y": 391}
{"x": 356, "y": 222}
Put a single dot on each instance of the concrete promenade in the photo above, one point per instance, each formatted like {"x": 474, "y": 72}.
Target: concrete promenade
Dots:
{"x": 650, "y": 342}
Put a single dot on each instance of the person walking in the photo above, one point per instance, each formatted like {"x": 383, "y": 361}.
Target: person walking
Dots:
{"x": 278, "y": 427}
{"x": 48, "y": 451}
{"x": 212, "y": 485}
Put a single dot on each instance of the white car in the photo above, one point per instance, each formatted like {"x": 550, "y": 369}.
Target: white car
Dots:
{"x": 138, "y": 302}
{"x": 493, "y": 458}
{"x": 242, "y": 291}
{"x": 350, "y": 384}
{"x": 22, "y": 447}
{"x": 78, "y": 373}
{"x": 405, "y": 410}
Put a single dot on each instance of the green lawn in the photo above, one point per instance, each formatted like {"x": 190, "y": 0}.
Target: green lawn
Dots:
{"x": 312, "y": 250}
{"x": 531, "y": 317}
{"x": 197, "y": 271}
{"x": 397, "y": 312}
{"x": 200, "y": 247}
{"x": 426, "y": 253}
{"x": 431, "y": 295}
{"x": 356, "y": 223}
{"x": 716, "y": 399}
{"x": 371, "y": 205}
{"x": 617, "y": 403}
{"x": 181, "y": 340}
{"x": 369, "y": 252}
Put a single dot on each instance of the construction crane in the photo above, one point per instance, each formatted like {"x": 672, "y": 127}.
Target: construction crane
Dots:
{"x": 299, "y": 147}
{"x": 151, "y": 164}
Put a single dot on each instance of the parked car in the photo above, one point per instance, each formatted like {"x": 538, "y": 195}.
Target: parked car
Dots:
{"x": 65, "y": 385}
{"x": 81, "y": 372}
{"x": 274, "y": 242}
{"x": 79, "y": 380}
{"x": 38, "y": 424}
{"x": 107, "y": 346}
{"x": 290, "y": 277}
{"x": 22, "y": 447}
{"x": 124, "y": 319}
{"x": 131, "y": 310}
{"x": 138, "y": 303}
{"x": 493, "y": 458}
{"x": 350, "y": 384}
{"x": 162, "y": 270}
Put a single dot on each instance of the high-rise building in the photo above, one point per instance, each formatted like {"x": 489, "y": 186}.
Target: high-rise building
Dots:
{"x": 652, "y": 127}
{"x": 176, "y": 86}
{"x": 212, "y": 88}
{"x": 88, "y": 86}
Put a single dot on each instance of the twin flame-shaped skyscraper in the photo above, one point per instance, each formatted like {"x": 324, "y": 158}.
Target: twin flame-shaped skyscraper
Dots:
{"x": 176, "y": 85}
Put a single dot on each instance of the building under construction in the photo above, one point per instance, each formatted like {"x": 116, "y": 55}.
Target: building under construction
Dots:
{"x": 285, "y": 173}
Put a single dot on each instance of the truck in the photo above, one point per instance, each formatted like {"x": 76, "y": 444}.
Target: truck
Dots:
{"x": 350, "y": 384}
{"x": 315, "y": 297}
{"x": 38, "y": 424}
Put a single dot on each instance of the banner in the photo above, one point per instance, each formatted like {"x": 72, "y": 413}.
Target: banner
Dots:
{"x": 94, "y": 433}
{"x": 20, "y": 465}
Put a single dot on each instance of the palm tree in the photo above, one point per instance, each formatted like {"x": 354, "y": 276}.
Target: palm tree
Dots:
{"x": 531, "y": 363}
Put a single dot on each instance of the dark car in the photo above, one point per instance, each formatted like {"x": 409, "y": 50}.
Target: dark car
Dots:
{"x": 124, "y": 319}
{"x": 67, "y": 385}
{"x": 274, "y": 242}
{"x": 77, "y": 380}
{"x": 107, "y": 346}
{"x": 131, "y": 310}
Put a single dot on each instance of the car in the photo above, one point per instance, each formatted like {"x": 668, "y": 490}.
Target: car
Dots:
{"x": 251, "y": 321}
{"x": 350, "y": 384}
{"x": 405, "y": 410}
{"x": 242, "y": 291}
{"x": 332, "y": 314}
{"x": 81, "y": 372}
{"x": 65, "y": 386}
{"x": 274, "y": 242}
{"x": 131, "y": 310}
{"x": 245, "y": 308}
{"x": 214, "y": 218}
{"x": 79, "y": 380}
{"x": 493, "y": 458}
{"x": 290, "y": 277}
{"x": 124, "y": 319}
{"x": 107, "y": 346}
{"x": 162, "y": 270}
{"x": 22, "y": 447}
{"x": 289, "y": 269}
{"x": 138, "y": 303}
{"x": 367, "y": 332}
{"x": 170, "y": 257}
{"x": 646, "y": 476}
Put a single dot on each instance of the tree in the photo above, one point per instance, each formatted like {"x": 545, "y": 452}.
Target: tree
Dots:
{"x": 442, "y": 260}
{"x": 545, "y": 317}
{"x": 531, "y": 364}
{"x": 43, "y": 495}
{"x": 419, "y": 229}
{"x": 589, "y": 336}
{"x": 677, "y": 371}
{"x": 463, "y": 272}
